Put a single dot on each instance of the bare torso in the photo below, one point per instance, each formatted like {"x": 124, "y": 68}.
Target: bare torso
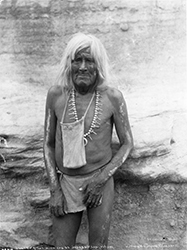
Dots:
{"x": 84, "y": 67}
{"x": 98, "y": 150}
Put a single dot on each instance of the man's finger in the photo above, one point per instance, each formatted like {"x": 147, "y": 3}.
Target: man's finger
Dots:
{"x": 60, "y": 210}
{"x": 98, "y": 201}
{"x": 56, "y": 211}
{"x": 52, "y": 210}
{"x": 65, "y": 207}
{"x": 85, "y": 198}
{"x": 92, "y": 201}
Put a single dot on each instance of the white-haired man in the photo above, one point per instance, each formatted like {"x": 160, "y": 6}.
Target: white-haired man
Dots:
{"x": 80, "y": 113}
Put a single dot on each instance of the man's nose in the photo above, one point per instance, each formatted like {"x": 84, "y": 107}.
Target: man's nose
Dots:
{"x": 83, "y": 66}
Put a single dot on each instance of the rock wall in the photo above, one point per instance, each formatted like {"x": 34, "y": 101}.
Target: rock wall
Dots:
{"x": 146, "y": 45}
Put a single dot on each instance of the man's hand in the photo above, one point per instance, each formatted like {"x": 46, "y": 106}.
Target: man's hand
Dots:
{"x": 57, "y": 203}
{"x": 92, "y": 192}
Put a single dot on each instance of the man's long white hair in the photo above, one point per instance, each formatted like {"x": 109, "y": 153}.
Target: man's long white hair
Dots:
{"x": 78, "y": 42}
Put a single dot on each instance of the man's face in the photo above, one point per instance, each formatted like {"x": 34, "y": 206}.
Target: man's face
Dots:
{"x": 84, "y": 70}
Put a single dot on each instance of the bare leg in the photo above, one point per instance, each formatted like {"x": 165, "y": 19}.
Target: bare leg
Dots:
{"x": 65, "y": 229}
{"x": 99, "y": 219}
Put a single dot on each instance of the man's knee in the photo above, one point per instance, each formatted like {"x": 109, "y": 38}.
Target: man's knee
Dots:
{"x": 108, "y": 196}
{"x": 100, "y": 218}
{"x": 64, "y": 229}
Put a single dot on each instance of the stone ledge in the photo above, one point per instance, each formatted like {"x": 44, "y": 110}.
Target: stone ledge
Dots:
{"x": 157, "y": 157}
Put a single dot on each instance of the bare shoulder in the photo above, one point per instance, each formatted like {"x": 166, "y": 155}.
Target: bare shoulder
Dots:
{"x": 55, "y": 91}
{"x": 115, "y": 96}
{"x": 53, "y": 94}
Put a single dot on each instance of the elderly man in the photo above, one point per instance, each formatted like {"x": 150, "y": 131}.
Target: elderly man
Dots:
{"x": 81, "y": 110}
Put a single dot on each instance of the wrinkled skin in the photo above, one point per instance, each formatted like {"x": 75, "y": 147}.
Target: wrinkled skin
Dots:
{"x": 98, "y": 193}
{"x": 93, "y": 192}
{"x": 84, "y": 71}
{"x": 57, "y": 203}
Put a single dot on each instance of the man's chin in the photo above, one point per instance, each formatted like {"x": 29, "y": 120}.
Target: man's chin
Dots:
{"x": 83, "y": 87}
{"x": 83, "y": 84}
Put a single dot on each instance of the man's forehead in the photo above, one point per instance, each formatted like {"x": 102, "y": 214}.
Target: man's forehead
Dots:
{"x": 83, "y": 51}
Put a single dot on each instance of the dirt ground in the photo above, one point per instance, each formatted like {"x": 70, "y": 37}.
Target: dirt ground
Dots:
{"x": 140, "y": 216}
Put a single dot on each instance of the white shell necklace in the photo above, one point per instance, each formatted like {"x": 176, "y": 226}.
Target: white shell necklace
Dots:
{"x": 96, "y": 119}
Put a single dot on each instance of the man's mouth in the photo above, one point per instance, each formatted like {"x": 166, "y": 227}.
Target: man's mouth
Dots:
{"x": 83, "y": 76}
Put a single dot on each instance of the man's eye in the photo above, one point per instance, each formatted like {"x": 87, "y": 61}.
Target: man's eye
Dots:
{"x": 77, "y": 60}
{"x": 90, "y": 60}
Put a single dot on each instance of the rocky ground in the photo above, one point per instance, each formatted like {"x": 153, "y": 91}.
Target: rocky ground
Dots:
{"x": 147, "y": 44}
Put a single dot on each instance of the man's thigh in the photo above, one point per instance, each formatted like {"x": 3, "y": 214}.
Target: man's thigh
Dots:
{"x": 65, "y": 229}
{"x": 99, "y": 218}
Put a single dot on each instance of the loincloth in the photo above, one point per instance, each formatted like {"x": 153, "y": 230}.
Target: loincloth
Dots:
{"x": 70, "y": 186}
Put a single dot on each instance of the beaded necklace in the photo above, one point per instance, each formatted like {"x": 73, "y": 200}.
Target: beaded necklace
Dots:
{"x": 96, "y": 119}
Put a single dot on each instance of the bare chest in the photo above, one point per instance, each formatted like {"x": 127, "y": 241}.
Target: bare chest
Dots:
{"x": 96, "y": 111}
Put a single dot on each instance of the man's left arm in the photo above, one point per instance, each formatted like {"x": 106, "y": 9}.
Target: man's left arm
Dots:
{"x": 93, "y": 190}
{"x": 121, "y": 122}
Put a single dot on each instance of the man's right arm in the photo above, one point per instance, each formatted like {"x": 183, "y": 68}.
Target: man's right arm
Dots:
{"x": 57, "y": 199}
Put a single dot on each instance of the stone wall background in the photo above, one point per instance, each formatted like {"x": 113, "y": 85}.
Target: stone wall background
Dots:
{"x": 146, "y": 41}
